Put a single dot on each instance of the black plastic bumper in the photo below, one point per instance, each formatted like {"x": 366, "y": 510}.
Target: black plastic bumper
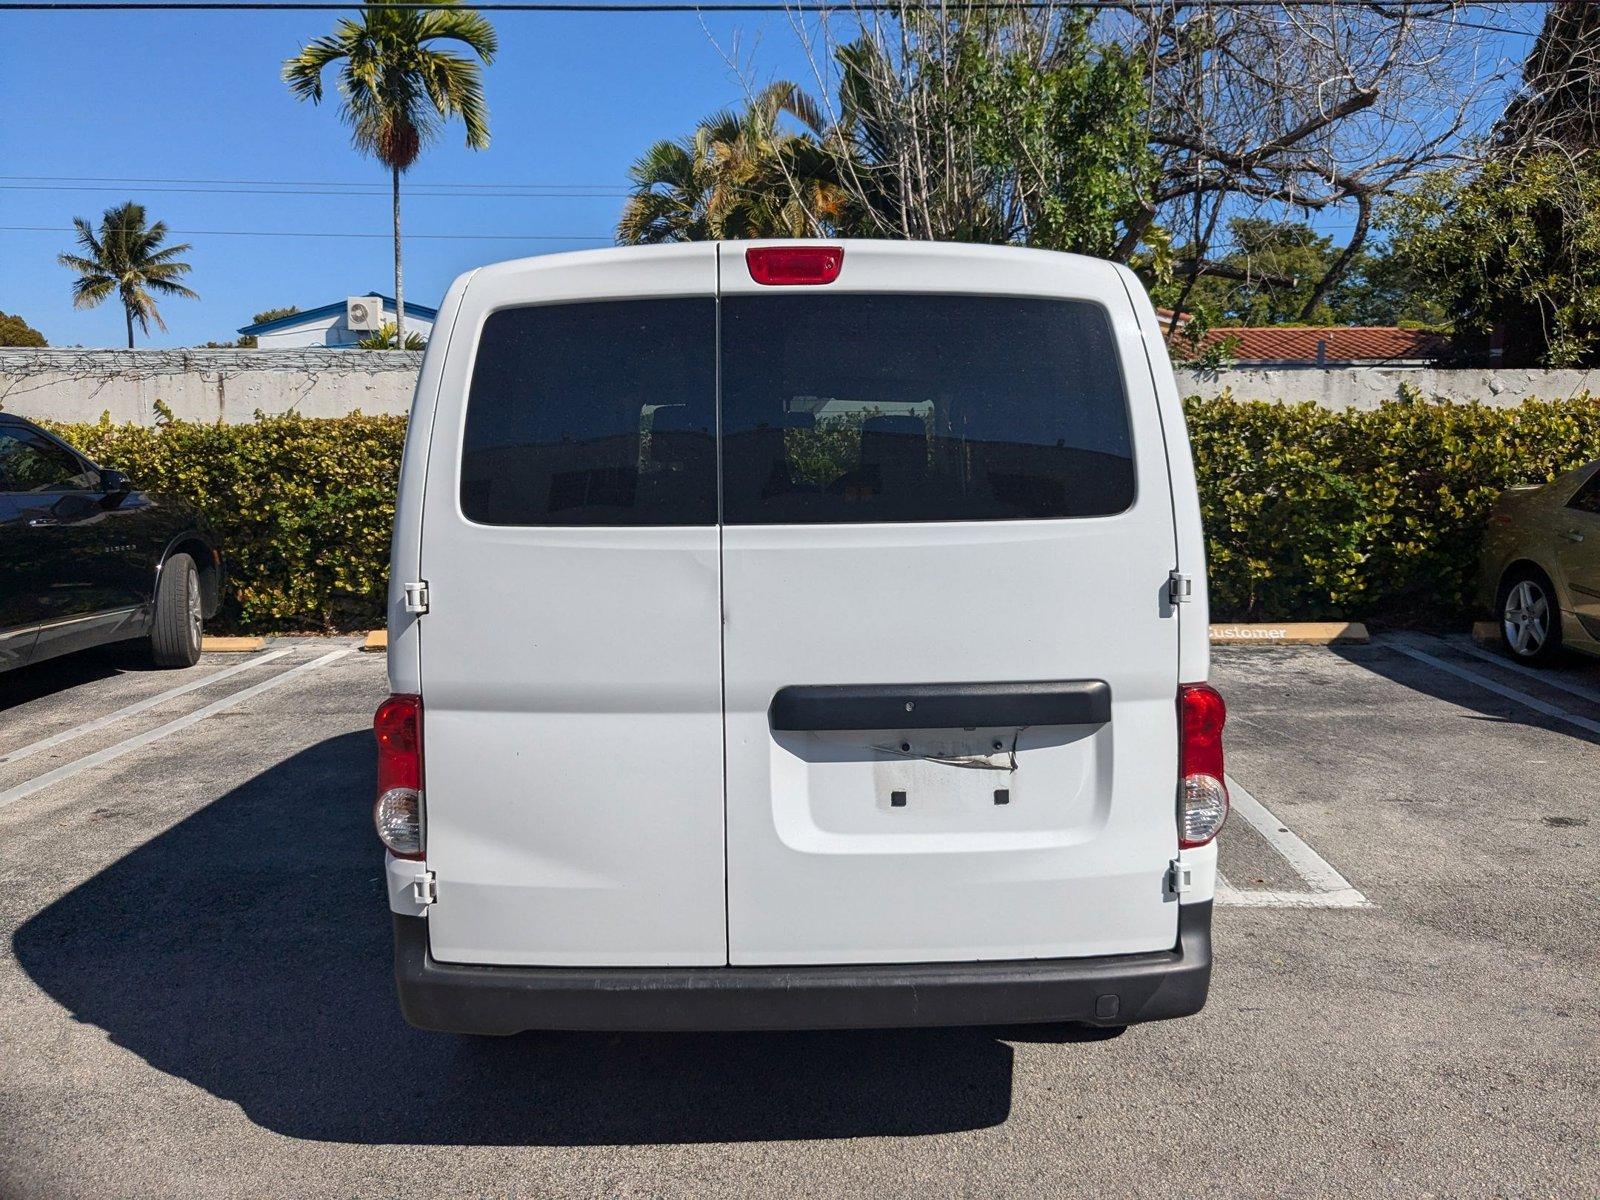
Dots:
{"x": 1099, "y": 991}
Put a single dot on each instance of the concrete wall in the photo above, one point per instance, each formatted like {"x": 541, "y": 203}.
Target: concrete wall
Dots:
{"x": 1367, "y": 387}
{"x": 205, "y": 385}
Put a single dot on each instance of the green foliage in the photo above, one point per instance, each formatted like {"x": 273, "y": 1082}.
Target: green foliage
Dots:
{"x": 385, "y": 337}
{"x": 303, "y": 507}
{"x": 739, "y": 175}
{"x": 1308, "y": 513}
{"x": 1515, "y": 244}
{"x": 980, "y": 128}
{"x": 1272, "y": 267}
{"x": 1060, "y": 136}
{"x": 1317, "y": 514}
{"x": 14, "y": 331}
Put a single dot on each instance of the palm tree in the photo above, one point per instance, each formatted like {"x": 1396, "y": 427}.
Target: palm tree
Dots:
{"x": 125, "y": 259}
{"x": 396, "y": 90}
{"x": 740, "y": 175}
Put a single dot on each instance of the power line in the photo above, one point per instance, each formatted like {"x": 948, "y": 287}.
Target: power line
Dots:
{"x": 714, "y": 6}
{"x": 330, "y": 183}
{"x": 240, "y": 191}
{"x": 606, "y": 239}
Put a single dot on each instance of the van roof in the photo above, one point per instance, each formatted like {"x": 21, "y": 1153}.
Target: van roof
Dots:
{"x": 947, "y": 250}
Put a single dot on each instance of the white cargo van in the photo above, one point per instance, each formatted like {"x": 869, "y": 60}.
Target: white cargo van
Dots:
{"x": 788, "y": 635}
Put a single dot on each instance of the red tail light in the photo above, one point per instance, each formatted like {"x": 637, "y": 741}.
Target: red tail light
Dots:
{"x": 1202, "y": 792}
{"x": 784, "y": 265}
{"x": 398, "y": 812}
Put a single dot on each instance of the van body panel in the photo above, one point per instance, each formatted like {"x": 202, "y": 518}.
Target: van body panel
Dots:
{"x": 605, "y": 783}
{"x": 405, "y": 542}
{"x": 891, "y": 845}
{"x": 571, "y": 683}
{"x": 1194, "y": 639}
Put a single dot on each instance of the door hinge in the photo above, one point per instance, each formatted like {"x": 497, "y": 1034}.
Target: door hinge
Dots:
{"x": 1180, "y": 876}
{"x": 416, "y": 596}
{"x": 1180, "y": 588}
{"x": 425, "y": 890}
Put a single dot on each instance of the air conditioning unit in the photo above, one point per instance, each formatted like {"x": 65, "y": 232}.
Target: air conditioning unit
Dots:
{"x": 363, "y": 314}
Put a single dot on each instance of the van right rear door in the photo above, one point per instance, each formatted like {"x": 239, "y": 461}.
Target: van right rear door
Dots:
{"x": 950, "y": 659}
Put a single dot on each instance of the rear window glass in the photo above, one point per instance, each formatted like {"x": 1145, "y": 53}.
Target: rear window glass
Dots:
{"x": 849, "y": 408}
{"x": 1587, "y": 498}
{"x": 593, "y": 414}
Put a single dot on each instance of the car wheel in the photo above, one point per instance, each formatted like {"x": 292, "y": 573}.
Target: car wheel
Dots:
{"x": 1530, "y": 621}
{"x": 175, "y": 635}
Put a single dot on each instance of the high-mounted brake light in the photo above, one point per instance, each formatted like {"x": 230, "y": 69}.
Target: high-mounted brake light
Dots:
{"x": 398, "y": 812}
{"x": 1202, "y": 794}
{"x": 786, "y": 265}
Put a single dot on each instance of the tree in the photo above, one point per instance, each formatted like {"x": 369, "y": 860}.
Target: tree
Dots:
{"x": 739, "y": 175}
{"x": 1268, "y": 272}
{"x": 125, "y": 259}
{"x": 1513, "y": 247}
{"x": 1513, "y": 242}
{"x": 14, "y": 331}
{"x": 248, "y": 341}
{"x": 396, "y": 90}
{"x": 1010, "y": 127}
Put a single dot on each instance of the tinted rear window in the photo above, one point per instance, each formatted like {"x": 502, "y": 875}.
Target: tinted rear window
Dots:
{"x": 848, "y": 408}
{"x": 593, "y": 414}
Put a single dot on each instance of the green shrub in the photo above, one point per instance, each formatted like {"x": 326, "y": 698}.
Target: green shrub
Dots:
{"x": 303, "y": 507}
{"x": 1316, "y": 514}
{"x": 1309, "y": 513}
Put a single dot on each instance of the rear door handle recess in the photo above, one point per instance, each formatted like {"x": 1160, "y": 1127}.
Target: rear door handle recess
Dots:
{"x": 942, "y": 705}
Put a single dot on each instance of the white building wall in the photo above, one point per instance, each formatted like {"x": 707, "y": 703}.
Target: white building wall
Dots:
{"x": 332, "y": 331}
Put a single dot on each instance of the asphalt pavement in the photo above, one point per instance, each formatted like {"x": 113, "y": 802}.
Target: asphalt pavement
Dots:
{"x": 195, "y": 993}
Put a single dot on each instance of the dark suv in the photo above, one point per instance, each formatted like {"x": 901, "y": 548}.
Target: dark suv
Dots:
{"x": 86, "y": 558}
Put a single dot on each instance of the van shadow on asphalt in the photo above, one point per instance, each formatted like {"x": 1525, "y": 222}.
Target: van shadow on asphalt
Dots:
{"x": 1428, "y": 680}
{"x": 247, "y": 950}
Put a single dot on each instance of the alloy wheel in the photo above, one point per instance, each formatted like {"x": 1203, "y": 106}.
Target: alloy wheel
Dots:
{"x": 1526, "y": 618}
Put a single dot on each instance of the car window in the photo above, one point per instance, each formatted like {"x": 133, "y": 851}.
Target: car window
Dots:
{"x": 32, "y": 463}
{"x": 593, "y": 414}
{"x": 1587, "y": 498}
{"x": 901, "y": 407}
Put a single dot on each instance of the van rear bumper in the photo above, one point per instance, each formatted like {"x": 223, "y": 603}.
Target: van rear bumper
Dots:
{"x": 1117, "y": 990}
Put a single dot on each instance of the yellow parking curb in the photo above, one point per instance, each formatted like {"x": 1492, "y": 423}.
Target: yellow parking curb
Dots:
{"x": 377, "y": 639}
{"x": 1292, "y": 633}
{"x": 1486, "y": 633}
{"x": 232, "y": 645}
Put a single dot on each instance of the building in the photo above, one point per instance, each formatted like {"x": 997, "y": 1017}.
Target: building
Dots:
{"x": 329, "y": 325}
{"x": 1309, "y": 346}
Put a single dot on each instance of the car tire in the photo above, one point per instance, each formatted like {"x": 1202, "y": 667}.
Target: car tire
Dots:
{"x": 1529, "y": 616}
{"x": 175, "y": 632}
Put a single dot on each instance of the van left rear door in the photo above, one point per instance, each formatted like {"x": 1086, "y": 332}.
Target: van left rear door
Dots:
{"x": 570, "y": 657}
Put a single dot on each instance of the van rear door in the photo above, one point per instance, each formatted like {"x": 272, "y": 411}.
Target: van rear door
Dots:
{"x": 950, "y": 659}
{"x": 570, "y": 658}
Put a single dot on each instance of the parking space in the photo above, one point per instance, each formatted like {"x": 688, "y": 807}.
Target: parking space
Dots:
{"x": 195, "y": 972}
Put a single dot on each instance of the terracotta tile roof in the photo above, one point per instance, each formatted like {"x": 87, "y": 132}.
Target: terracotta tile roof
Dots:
{"x": 1340, "y": 344}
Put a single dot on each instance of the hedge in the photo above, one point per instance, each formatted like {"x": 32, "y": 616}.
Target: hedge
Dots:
{"x": 1309, "y": 513}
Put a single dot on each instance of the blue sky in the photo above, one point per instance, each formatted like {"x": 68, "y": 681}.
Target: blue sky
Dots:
{"x": 90, "y": 97}
{"x": 187, "y": 96}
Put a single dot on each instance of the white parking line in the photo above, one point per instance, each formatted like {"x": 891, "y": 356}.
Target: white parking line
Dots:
{"x": 77, "y": 731}
{"x": 100, "y": 757}
{"x": 1499, "y": 689}
{"x": 1545, "y": 677}
{"x": 1328, "y": 888}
